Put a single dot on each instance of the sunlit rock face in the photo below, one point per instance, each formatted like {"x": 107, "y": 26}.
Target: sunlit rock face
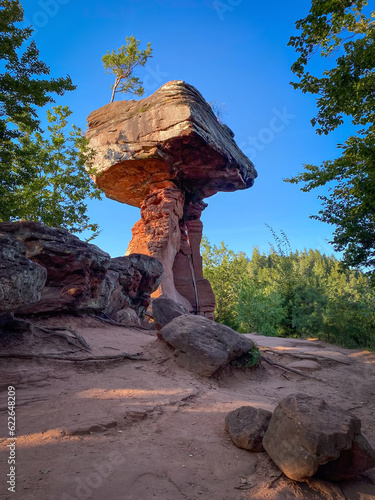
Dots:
{"x": 165, "y": 154}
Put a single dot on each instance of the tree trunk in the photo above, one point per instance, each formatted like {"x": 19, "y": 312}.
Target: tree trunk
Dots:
{"x": 117, "y": 81}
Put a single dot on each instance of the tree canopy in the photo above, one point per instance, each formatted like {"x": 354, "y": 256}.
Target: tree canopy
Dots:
{"x": 55, "y": 182}
{"x": 292, "y": 294}
{"x": 122, "y": 64}
{"x": 42, "y": 176}
{"x": 22, "y": 91}
{"x": 343, "y": 29}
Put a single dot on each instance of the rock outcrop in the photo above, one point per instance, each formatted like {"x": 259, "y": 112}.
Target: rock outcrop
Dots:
{"x": 203, "y": 346}
{"x": 76, "y": 270}
{"x": 131, "y": 281}
{"x": 21, "y": 279}
{"x": 307, "y": 436}
{"x": 78, "y": 276}
{"x": 165, "y": 154}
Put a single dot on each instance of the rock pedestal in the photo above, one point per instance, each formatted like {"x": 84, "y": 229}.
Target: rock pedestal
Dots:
{"x": 165, "y": 154}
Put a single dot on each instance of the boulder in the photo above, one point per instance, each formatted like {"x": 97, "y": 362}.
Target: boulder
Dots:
{"x": 247, "y": 426}
{"x": 76, "y": 270}
{"x": 307, "y": 436}
{"x": 165, "y": 154}
{"x": 203, "y": 346}
{"x": 21, "y": 279}
{"x": 127, "y": 317}
{"x": 152, "y": 272}
{"x": 356, "y": 460}
{"x": 131, "y": 280}
{"x": 164, "y": 310}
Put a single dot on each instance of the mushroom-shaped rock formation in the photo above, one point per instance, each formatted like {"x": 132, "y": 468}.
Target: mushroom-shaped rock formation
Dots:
{"x": 165, "y": 154}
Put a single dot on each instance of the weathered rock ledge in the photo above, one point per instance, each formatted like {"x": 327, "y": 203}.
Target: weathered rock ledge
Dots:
{"x": 48, "y": 270}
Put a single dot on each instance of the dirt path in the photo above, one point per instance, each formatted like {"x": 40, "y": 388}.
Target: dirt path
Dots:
{"x": 145, "y": 430}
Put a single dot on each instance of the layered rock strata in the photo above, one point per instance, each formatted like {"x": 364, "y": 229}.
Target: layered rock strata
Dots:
{"x": 165, "y": 154}
{"x": 57, "y": 272}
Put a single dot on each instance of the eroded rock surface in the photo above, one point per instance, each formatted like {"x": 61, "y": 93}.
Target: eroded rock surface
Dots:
{"x": 75, "y": 270}
{"x": 307, "y": 436}
{"x": 78, "y": 276}
{"x": 21, "y": 279}
{"x": 131, "y": 281}
{"x": 165, "y": 154}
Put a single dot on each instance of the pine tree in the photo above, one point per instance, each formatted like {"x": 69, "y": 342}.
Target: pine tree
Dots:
{"x": 123, "y": 63}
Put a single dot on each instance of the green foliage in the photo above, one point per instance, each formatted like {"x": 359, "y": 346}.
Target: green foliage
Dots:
{"x": 50, "y": 182}
{"x": 350, "y": 206}
{"x": 123, "y": 63}
{"x": 344, "y": 90}
{"x": 259, "y": 308}
{"x": 41, "y": 178}
{"x": 251, "y": 359}
{"x": 256, "y": 357}
{"x": 22, "y": 91}
{"x": 224, "y": 270}
{"x": 298, "y": 294}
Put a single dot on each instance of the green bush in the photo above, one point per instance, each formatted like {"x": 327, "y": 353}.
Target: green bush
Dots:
{"x": 292, "y": 294}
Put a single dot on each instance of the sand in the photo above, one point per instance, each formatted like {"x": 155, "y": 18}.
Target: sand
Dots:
{"x": 149, "y": 430}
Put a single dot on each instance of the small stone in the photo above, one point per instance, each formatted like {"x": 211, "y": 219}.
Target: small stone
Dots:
{"x": 247, "y": 426}
{"x": 165, "y": 309}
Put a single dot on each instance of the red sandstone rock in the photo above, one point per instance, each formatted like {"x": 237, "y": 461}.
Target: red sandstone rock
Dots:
{"x": 307, "y": 436}
{"x": 78, "y": 276}
{"x": 76, "y": 270}
{"x": 165, "y": 154}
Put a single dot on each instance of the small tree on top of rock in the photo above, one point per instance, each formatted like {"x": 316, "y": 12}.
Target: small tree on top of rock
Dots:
{"x": 122, "y": 64}
{"x": 219, "y": 109}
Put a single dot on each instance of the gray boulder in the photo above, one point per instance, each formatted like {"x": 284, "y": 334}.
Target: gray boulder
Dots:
{"x": 151, "y": 271}
{"x": 307, "y": 436}
{"x": 128, "y": 317}
{"x": 21, "y": 279}
{"x": 165, "y": 309}
{"x": 132, "y": 279}
{"x": 247, "y": 426}
{"x": 203, "y": 346}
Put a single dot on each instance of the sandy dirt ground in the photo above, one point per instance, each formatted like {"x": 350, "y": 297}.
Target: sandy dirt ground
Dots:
{"x": 149, "y": 430}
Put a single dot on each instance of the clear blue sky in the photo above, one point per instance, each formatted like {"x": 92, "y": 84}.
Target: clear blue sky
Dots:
{"x": 233, "y": 51}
